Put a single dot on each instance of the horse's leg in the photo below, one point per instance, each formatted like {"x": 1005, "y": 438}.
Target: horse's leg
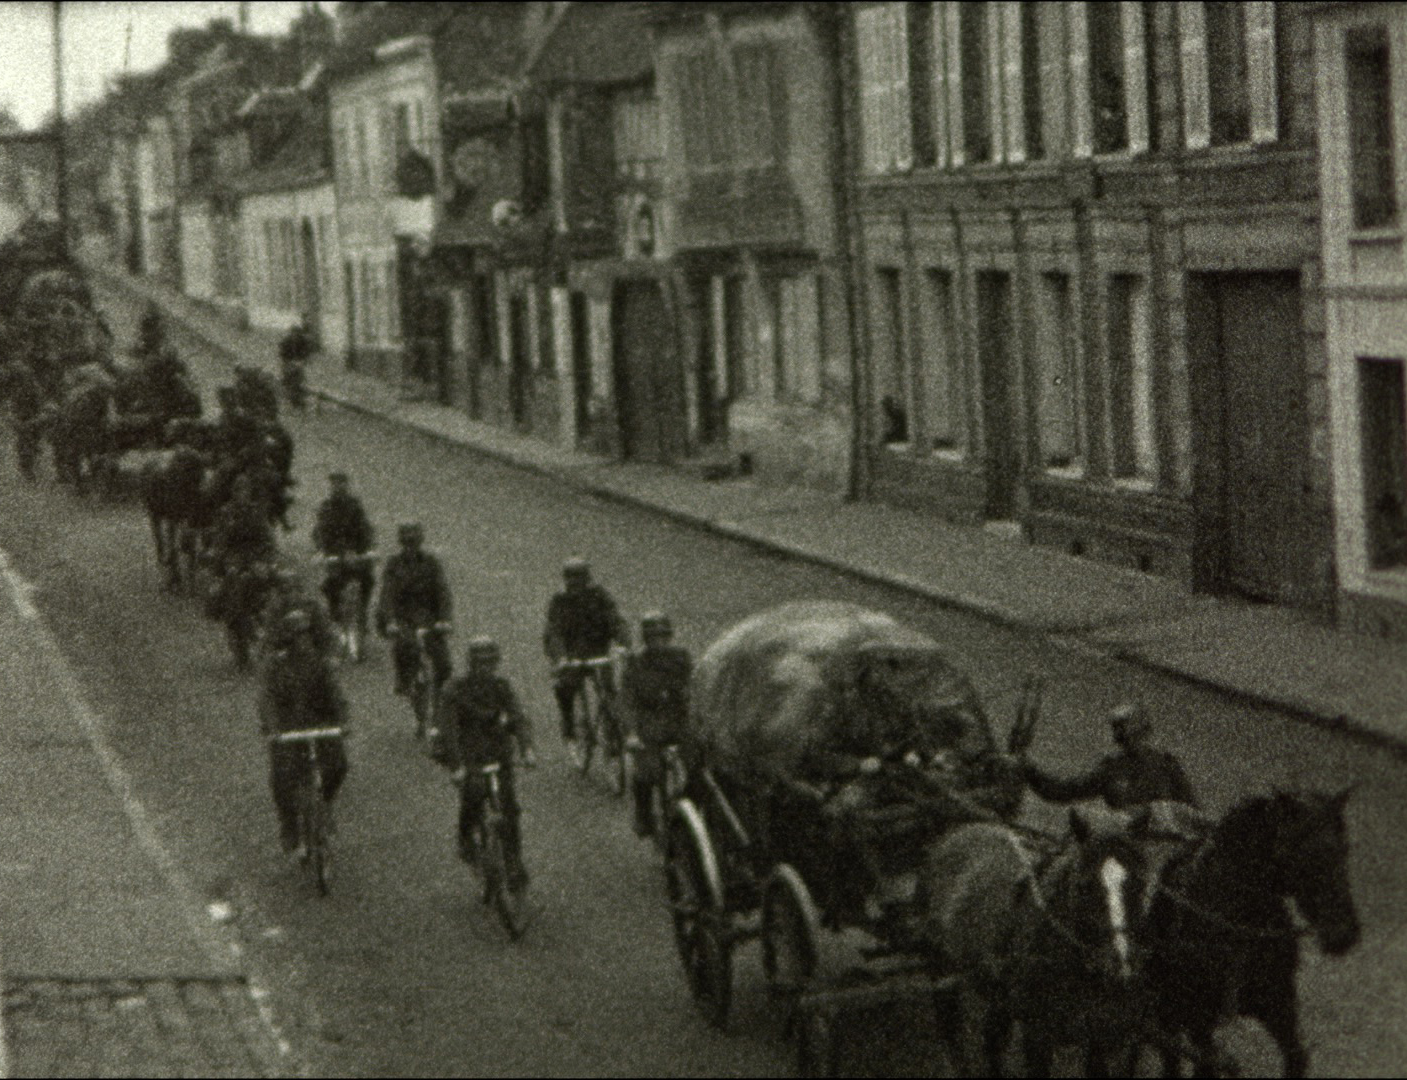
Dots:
{"x": 996, "y": 1035}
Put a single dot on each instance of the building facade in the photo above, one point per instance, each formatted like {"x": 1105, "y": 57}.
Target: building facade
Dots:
{"x": 384, "y": 115}
{"x": 1360, "y": 59}
{"x": 156, "y": 208}
{"x": 750, "y": 183}
{"x": 1093, "y": 293}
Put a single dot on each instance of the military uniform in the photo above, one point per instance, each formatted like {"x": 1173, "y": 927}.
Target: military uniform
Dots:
{"x": 581, "y": 625}
{"x": 26, "y": 396}
{"x": 342, "y": 528}
{"x": 415, "y": 595}
{"x": 1124, "y": 781}
{"x": 654, "y": 696}
{"x": 483, "y": 723}
{"x": 299, "y": 692}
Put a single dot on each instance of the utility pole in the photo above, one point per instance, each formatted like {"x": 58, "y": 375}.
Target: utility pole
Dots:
{"x": 60, "y": 147}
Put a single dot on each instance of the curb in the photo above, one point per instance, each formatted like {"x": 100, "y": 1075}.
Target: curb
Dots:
{"x": 1338, "y": 723}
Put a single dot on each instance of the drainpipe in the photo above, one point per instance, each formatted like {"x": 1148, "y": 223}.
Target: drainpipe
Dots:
{"x": 851, "y": 247}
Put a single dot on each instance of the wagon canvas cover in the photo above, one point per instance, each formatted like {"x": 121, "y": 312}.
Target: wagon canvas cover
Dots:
{"x": 814, "y": 675}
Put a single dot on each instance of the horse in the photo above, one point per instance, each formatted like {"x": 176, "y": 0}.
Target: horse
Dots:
{"x": 1046, "y": 941}
{"x": 1223, "y": 943}
{"x": 79, "y": 427}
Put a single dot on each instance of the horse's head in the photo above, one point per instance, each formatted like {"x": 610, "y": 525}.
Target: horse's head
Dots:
{"x": 1096, "y": 891}
{"x": 1309, "y": 855}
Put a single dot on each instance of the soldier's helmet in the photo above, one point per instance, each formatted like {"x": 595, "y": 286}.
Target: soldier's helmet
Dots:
{"x": 656, "y": 626}
{"x": 576, "y": 568}
{"x": 1129, "y": 724}
{"x": 483, "y": 651}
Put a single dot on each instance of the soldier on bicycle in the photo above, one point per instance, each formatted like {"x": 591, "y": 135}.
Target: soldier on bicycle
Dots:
{"x": 298, "y": 692}
{"x": 654, "y": 697}
{"x": 483, "y": 724}
{"x": 414, "y": 596}
{"x": 343, "y": 530}
{"x": 582, "y": 623}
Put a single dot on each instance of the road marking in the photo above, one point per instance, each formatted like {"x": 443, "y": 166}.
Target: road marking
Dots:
{"x": 120, "y": 781}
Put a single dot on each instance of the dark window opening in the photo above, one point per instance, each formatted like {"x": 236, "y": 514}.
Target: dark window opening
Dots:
{"x": 921, "y": 103}
{"x": 1228, "y": 79}
{"x": 1368, "y": 85}
{"x": 894, "y": 398}
{"x": 1384, "y": 431}
{"x": 1108, "y": 105}
{"x": 975, "y": 70}
{"x": 1032, "y": 111}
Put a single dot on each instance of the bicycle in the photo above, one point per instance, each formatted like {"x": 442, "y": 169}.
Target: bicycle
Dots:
{"x": 349, "y": 602}
{"x": 424, "y": 690}
{"x": 314, "y": 811}
{"x": 498, "y": 856}
{"x": 665, "y": 793}
{"x": 594, "y": 722}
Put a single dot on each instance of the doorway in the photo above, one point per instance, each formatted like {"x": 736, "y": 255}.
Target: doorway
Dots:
{"x": 1249, "y": 433}
{"x": 648, "y": 380}
{"x": 1001, "y": 445}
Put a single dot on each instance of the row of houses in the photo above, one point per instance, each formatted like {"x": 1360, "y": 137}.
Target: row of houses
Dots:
{"x": 1124, "y": 278}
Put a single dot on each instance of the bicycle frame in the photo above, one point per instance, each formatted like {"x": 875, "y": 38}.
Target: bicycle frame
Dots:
{"x": 346, "y": 613}
{"x": 599, "y": 725}
{"x": 314, "y": 815}
{"x": 504, "y": 880}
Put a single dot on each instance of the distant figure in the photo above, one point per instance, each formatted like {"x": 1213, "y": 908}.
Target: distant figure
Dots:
{"x": 1136, "y": 775}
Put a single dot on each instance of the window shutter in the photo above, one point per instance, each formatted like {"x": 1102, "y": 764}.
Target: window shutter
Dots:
{"x": 1081, "y": 110}
{"x": 868, "y": 22}
{"x": 991, "y": 75}
{"x": 901, "y": 123}
{"x": 1196, "y": 109}
{"x": 940, "y": 85}
{"x": 1135, "y": 75}
{"x": 1013, "y": 117}
{"x": 953, "y": 41}
{"x": 1260, "y": 67}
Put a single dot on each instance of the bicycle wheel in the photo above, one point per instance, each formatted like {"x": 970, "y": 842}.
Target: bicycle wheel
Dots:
{"x": 349, "y": 603}
{"x": 588, "y": 725}
{"x": 508, "y": 892}
{"x": 622, "y": 765}
{"x": 422, "y": 701}
{"x": 315, "y": 839}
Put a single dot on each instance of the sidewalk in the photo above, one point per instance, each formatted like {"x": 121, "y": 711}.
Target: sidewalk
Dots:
{"x": 110, "y": 966}
{"x": 1263, "y": 655}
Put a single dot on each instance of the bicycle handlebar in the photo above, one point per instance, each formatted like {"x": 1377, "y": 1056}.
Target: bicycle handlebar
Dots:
{"x": 351, "y": 557}
{"x": 582, "y": 665}
{"x": 310, "y": 735}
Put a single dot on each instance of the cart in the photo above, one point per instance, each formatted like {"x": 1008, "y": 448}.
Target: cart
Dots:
{"x": 763, "y": 845}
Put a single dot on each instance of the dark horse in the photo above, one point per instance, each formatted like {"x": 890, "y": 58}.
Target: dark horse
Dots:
{"x": 1047, "y": 941}
{"x": 1223, "y": 941}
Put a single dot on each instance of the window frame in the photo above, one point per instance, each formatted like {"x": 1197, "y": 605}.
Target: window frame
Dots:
{"x": 1073, "y": 363}
{"x": 948, "y": 335}
{"x": 1262, "y": 76}
{"x": 1141, "y": 408}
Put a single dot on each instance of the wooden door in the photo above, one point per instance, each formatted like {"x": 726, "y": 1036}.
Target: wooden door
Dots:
{"x": 649, "y": 388}
{"x": 1250, "y": 408}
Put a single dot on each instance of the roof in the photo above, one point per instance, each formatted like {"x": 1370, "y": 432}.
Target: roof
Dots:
{"x": 300, "y": 161}
{"x": 597, "y": 44}
{"x": 481, "y": 45}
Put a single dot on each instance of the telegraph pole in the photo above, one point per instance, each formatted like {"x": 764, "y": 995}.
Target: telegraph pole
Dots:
{"x": 60, "y": 147}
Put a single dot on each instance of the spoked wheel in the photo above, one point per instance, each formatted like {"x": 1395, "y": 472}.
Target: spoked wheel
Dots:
{"x": 315, "y": 839}
{"x": 701, "y": 925}
{"x": 622, "y": 763}
{"x": 505, "y": 886}
{"x": 422, "y": 702}
{"x": 349, "y": 621}
{"x": 588, "y": 728}
{"x": 789, "y": 929}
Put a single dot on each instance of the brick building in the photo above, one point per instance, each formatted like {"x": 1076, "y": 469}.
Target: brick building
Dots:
{"x": 1092, "y": 278}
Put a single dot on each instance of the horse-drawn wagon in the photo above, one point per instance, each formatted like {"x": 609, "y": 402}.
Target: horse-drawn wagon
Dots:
{"x": 832, "y": 745}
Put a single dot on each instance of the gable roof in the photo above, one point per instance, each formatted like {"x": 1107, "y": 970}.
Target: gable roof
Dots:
{"x": 596, "y": 44}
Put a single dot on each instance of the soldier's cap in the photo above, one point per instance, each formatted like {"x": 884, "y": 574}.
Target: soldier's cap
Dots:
{"x": 1128, "y": 721}
{"x": 483, "y": 647}
{"x": 338, "y": 477}
{"x": 410, "y": 528}
{"x": 575, "y": 567}
{"x": 656, "y": 622}
{"x": 297, "y": 621}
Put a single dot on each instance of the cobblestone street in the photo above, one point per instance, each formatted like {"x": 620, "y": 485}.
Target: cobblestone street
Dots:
{"x": 125, "y": 1027}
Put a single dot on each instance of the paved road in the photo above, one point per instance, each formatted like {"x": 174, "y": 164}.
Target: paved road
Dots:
{"x": 399, "y": 973}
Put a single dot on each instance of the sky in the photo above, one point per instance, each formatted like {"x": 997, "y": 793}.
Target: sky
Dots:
{"x": 95, "y": 43}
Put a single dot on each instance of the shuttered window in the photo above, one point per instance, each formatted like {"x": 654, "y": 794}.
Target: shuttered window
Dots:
{"x": 886, "y": 128}
{"x": 1108, "y": 64}
{"x": 1229, "y": 80}
{"x": 762, "y": 113}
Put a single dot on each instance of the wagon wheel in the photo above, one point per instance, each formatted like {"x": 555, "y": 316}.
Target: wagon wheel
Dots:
{"x": 815, "y": 1044}
{"x": 789, "y": 926}
{"x": 701, "y": 925}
